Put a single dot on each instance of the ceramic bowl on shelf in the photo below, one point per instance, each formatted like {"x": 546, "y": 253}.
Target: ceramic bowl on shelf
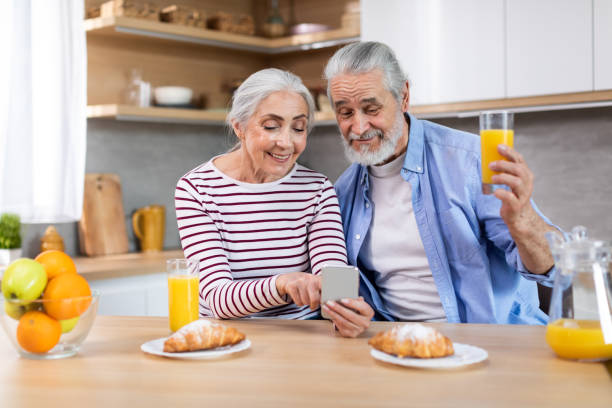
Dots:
{"x": 172, "y": 95}
{"x": 307, "y": 28}
{"x": 37, "y": 335}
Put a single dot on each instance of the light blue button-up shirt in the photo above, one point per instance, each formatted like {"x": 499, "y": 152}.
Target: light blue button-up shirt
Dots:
{"x": 473, "y": 258}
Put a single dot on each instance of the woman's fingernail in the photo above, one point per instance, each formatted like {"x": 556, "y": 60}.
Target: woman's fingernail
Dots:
{"x": 346, "y": 301}
{"x": 330, "y": 303}
{"x": 503, "y": 147}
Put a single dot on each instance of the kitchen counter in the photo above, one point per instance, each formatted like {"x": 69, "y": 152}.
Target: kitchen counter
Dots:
{"x": 134, "y": 263}
{"x": 299, "y": 363}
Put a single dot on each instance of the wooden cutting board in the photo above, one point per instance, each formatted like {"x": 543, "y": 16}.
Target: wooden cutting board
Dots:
{"x": 102, "y": 229}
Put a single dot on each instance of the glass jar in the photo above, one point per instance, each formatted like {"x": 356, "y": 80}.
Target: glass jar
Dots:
{"x": 580, "y": 324}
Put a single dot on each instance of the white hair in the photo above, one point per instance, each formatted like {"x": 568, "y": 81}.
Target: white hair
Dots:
{"x": 364, "y": 57}
{"x": 259, "y": 86}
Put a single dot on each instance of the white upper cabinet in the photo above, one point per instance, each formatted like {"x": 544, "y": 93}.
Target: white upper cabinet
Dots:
{"x": 451, "y": 50}
{"x": 602, "y": 18}
{"x": 549, "y": 46}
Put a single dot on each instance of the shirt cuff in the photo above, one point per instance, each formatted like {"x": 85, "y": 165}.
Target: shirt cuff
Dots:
{"x": 547, "y": 279}
{"x": 276, "y": 297}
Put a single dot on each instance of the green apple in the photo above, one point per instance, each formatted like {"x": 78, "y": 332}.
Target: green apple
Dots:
{"x": 24, "y": 279}
{"x": 18, "y": 308}
{"x": 68, "y": 324}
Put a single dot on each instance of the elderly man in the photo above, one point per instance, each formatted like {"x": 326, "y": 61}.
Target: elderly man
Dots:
{"x": 430, "y": 246}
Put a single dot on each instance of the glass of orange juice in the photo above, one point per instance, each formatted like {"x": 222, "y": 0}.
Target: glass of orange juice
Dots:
{"x": 182, "y": 292}
{"x": 496, "y": 127}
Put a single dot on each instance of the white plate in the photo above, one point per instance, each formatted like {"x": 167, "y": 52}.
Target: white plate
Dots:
{"x": 157, "y": 347}
{"x": 464, "y": 355}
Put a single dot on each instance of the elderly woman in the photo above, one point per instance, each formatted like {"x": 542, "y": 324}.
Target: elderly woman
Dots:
{"x": 261, "y": 225}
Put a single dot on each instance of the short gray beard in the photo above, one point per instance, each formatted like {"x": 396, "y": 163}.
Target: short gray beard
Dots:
{"x": 386, "y": 149}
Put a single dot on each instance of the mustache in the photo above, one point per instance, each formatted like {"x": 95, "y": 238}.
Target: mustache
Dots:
{"x": 368, "y": 134}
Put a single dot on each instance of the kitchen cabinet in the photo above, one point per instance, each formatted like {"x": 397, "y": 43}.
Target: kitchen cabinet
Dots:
{"x": 549, "y": 47}
{"x": 464, "y": 56}
{"x": 451, "y": 50}
{"x": 602, "y": 46}
{"x": 142, "y": 295}
{"x": 209, "y": 62}
{"x": 133, "y": 284}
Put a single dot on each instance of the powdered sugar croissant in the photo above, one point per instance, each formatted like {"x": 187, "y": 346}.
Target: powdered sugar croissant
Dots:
{"x": 413, "y": 340}
{"x": 202, "y": 335}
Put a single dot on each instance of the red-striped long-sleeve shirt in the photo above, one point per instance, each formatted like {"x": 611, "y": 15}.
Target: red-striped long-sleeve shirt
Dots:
{"x": 244, "y": 235}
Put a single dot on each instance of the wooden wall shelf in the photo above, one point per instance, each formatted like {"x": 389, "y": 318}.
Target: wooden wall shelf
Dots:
{"x": 524, "y": 104}
{"x": 169, "y": 115}
{"x": 461, "y": 109}
{"x": 124, "y": 26}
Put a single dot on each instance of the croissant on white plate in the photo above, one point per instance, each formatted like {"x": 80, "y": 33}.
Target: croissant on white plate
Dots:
{"x": 413, "y": 340}
{"x": 202, "y": 335}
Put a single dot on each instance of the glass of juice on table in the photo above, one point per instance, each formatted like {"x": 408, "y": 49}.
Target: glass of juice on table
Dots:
{"x": 496, "y": 127}
{"x": 182, "y": 292}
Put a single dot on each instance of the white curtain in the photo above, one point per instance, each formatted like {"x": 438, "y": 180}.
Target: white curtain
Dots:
{"x": 43, "y": 98}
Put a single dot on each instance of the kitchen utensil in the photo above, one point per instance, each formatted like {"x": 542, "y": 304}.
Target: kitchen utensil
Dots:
{"x": 172, "y": 95}
{"x": 51, "y": 240}
{"x": 580, "y": 324}
{"x": 148, "y": 223}
{"x": 102, "y": 229}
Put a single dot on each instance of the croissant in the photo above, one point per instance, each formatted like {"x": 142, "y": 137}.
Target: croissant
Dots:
{"x": 202, "y": 335}
{"x": 413, "y": 340}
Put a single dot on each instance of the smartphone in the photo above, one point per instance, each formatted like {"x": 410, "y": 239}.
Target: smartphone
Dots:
{"x": 338, "y": 282}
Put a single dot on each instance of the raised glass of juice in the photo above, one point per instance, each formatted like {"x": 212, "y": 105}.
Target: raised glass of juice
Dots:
{"x": 496, "y": 127}
{"x": 182, "y": 292}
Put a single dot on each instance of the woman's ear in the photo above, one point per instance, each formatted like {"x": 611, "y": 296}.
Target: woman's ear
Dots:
{"x": 237, "y": 130}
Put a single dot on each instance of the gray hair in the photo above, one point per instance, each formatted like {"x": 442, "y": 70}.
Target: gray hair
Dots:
{"x": 364, "y": 57}
{"x": 259, "y": 86}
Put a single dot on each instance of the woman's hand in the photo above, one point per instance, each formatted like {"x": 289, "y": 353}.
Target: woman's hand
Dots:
{"x": 351, "y": 317}
{"x": 303, "y": 288}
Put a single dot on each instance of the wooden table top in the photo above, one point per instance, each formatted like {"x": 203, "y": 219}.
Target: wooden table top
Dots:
{"x": 299, "y": 363}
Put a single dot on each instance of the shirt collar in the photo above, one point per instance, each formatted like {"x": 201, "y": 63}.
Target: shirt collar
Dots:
{"x": 414, "y": 152}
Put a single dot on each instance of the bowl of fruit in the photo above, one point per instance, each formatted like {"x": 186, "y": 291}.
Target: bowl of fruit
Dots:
{"x": 47, "y": 309}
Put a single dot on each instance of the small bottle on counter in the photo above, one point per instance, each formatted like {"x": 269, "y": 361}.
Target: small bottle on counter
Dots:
{"x": 51, "y": 240}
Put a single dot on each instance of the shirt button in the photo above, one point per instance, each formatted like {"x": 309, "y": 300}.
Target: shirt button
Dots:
{"x": 357, "y": 236}
{"x": 367, "y": 205}
{"x": 419, "y": 168}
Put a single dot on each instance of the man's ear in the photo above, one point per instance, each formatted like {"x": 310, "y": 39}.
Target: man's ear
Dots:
{"x": 405, "y": 97}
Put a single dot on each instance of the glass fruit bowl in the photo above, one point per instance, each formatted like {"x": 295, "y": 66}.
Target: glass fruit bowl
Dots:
{"x": 35, "y": 334}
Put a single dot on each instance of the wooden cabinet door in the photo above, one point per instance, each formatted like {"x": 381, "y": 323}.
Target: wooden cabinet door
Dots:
{"x": 549, "y": 46}
{"x": 602, "y": 40}
{"x": 451, "y": 50}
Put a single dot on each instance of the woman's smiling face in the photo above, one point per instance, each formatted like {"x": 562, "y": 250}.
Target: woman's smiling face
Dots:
{"x": 273, "y": 138}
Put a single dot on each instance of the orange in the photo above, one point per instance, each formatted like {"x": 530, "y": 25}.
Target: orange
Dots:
{"x": 59, "y": 297}
{"x": 37, "y": 332}
{"x": 55, "y": 263}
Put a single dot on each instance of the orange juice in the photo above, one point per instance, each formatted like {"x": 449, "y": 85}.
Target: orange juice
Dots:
{"x": 578, "y": 339}
{"x": 182, "y": 300}
{"x": 489, "y": 139}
